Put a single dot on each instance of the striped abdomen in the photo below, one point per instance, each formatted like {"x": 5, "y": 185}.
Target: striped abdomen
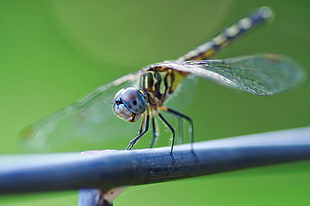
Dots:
{"x": 210, "y": 48}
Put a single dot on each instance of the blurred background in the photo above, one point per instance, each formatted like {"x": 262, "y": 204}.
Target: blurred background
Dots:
{"x": 55, "y": 52}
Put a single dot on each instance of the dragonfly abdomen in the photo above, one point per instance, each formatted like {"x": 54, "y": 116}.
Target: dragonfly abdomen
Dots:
{"x": 211, "y": 47}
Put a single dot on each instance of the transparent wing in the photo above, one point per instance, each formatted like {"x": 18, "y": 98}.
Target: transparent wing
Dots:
{"x": 261, "y": 74}
{"x": 87, "y": 124}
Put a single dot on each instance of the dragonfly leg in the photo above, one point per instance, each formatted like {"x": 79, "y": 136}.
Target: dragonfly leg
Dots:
{"x": 155, "y": 134}
{"x": 171, "y": 129}
{"x": 181, "y": 131}
{"x": 144, "y": 123}
{"x": 182, "y": 116}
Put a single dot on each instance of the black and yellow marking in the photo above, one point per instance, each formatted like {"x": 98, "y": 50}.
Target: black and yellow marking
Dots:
{"x": 235, "y": 31}
{"x": 159, "y": 82}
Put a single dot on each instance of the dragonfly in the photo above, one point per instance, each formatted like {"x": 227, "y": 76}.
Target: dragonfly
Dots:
{"x": 142, "y": 95}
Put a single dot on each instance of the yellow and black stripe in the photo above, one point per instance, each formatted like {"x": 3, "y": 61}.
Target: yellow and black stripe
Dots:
{"x": 159, "y": 83}
{"x": 210, "y": 48}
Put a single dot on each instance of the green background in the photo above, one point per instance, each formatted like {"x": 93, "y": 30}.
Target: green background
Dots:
{"x": 55, "y": 52}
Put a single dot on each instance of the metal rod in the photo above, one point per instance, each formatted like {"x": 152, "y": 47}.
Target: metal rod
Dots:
{"x": 106, "y": 170}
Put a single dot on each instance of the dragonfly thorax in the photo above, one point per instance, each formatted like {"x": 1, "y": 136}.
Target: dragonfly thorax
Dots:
{"x": 129, "y": 104}
{"x": 158, "y": 82}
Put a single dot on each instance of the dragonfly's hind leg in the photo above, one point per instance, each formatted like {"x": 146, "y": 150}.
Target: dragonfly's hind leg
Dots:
{"x": 182, "y": 116}
{"x": 181, "y": 130}
{"x": 171, "y": 129}
{"x": 143, "y": 129}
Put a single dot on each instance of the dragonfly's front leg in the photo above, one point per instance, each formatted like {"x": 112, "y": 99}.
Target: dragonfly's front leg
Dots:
{"x": 143, "y": 129}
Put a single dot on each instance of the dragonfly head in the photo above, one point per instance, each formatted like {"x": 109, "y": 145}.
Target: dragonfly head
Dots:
{"x": 129, "y": 104}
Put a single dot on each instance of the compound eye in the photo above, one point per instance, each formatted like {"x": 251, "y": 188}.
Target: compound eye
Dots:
{"x": 137, "y": 104}
{"x": 129, "y": 104}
